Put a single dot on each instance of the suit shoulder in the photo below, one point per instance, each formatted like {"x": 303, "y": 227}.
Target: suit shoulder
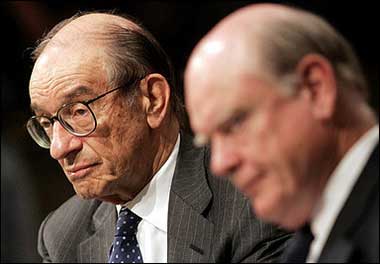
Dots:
{"x": 69, "y": 211}
{"x": 226, "y": 197}
{"x": 221, "y": 185}
{"x": 66, "y": 219}
{"x": 235, "y": 222}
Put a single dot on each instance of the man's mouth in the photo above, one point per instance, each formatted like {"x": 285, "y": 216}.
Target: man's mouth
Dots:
{"x": 247, "y": 183}
{"x": 80, "y": 171}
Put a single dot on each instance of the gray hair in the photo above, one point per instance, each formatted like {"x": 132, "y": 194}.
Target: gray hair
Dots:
{"x": 290, "y": 38}
{"x": 133, "y": 53}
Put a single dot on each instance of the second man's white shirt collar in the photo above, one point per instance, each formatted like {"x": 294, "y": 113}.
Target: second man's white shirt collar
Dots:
{"x": 338, "y": 189}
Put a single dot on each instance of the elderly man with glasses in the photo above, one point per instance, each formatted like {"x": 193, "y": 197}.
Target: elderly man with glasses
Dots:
{"x": 106, "y": 106}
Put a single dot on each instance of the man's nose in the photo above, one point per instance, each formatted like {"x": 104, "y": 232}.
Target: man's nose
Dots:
{"x": 224, "y": 157}
{"x": 62, "y": 142}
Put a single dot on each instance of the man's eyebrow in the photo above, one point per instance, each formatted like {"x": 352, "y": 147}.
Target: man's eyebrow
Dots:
{"x": 77, "y": 92}
{"x": 69, "y": 97}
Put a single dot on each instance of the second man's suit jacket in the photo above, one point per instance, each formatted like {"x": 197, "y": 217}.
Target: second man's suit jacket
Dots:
{"x": 208, "y": 221}
{"x": 355, "y": 234}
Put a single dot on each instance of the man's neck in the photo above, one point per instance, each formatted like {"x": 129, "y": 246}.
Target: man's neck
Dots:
{"x": 165, "y": 140}
{"x": 349, "y": 135}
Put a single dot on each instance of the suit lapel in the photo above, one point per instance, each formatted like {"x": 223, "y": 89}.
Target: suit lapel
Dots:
{"x": 189, "y": 232}
{"x": 95, "y": 248}
{"x": 339, "y": 250}
{"x": 338, "y": 247}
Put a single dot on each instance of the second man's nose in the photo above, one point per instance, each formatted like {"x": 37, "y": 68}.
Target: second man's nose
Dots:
{"x": 224, "y": 157}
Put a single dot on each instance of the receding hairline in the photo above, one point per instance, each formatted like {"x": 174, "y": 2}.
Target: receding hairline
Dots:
{"x": 90, "y": 26}
{"x": 95, "y": 21}
{"x": 277, "y": 18}
{"x": 263, "y": 13}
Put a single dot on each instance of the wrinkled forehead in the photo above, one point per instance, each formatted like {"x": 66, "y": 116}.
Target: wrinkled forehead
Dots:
{"x": 80, "y": 43}
{"x": 59, "y": 62}
{"x": 77, "y": 56}
{"x": 61, "y": 71}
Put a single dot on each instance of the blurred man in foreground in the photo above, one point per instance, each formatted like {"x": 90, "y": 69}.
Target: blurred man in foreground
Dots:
{"x": 282, "y": 98}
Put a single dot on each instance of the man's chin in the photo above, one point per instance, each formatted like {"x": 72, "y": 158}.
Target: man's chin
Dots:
{"x": 112, "y": 199}
{"x": 100, "y": 194}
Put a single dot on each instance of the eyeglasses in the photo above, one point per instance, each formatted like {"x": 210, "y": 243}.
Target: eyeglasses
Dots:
{"x": 77, "y": 118}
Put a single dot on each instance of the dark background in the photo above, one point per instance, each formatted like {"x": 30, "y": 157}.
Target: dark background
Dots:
{"x": 32, "y": 184}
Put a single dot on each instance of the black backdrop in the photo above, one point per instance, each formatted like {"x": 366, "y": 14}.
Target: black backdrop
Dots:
{"x": 32, "y": 184}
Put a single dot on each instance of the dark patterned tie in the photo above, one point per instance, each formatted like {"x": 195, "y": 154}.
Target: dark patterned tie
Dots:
{"x": 125, "y": 248}
{"x": 299, "y": 247}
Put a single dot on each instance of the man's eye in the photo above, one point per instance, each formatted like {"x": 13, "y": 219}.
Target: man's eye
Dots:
{"x": 80, "y": 112}
{"x": 45, "y": 124}
{"x": 234, "y": 123}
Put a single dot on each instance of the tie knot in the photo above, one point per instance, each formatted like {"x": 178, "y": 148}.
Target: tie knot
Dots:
{"x": 127, "y": 222}
{"x": 299, "y": 248}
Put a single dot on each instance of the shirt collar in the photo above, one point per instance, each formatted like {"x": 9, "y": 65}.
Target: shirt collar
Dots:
{"x": 341, "y": 183}
{"x": 152, "y": 202}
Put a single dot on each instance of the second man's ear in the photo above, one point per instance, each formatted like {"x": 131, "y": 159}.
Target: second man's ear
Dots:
{"x": 318, "y": 81}
{"x": 155, "y": 93}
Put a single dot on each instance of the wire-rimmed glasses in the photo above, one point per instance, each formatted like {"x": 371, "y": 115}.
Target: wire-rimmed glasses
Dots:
{"x": 77, "y": 118}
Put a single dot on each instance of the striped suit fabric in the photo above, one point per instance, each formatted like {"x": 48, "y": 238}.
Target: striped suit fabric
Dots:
{"x": 208, "y": 221}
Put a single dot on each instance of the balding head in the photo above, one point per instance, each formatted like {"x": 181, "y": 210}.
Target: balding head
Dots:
{"x": 269, "y": 40}
{"x": 96, "y": 34}
{"x": 81, "y": 27}
{"x": 126, "y": 50}
{"x": 234, "y": 44}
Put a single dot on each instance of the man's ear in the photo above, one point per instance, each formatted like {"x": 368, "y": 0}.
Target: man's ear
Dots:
{"x": 318, "y": 82}
{"x": 156, "y": 93}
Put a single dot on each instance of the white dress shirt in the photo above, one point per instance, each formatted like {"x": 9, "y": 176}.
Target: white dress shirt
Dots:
{"x": 338, "y": 189}
{"x": 152, "y": 204}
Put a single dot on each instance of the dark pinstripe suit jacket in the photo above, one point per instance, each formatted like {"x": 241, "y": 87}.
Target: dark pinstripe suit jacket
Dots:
{"x": 209, "y": 221}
